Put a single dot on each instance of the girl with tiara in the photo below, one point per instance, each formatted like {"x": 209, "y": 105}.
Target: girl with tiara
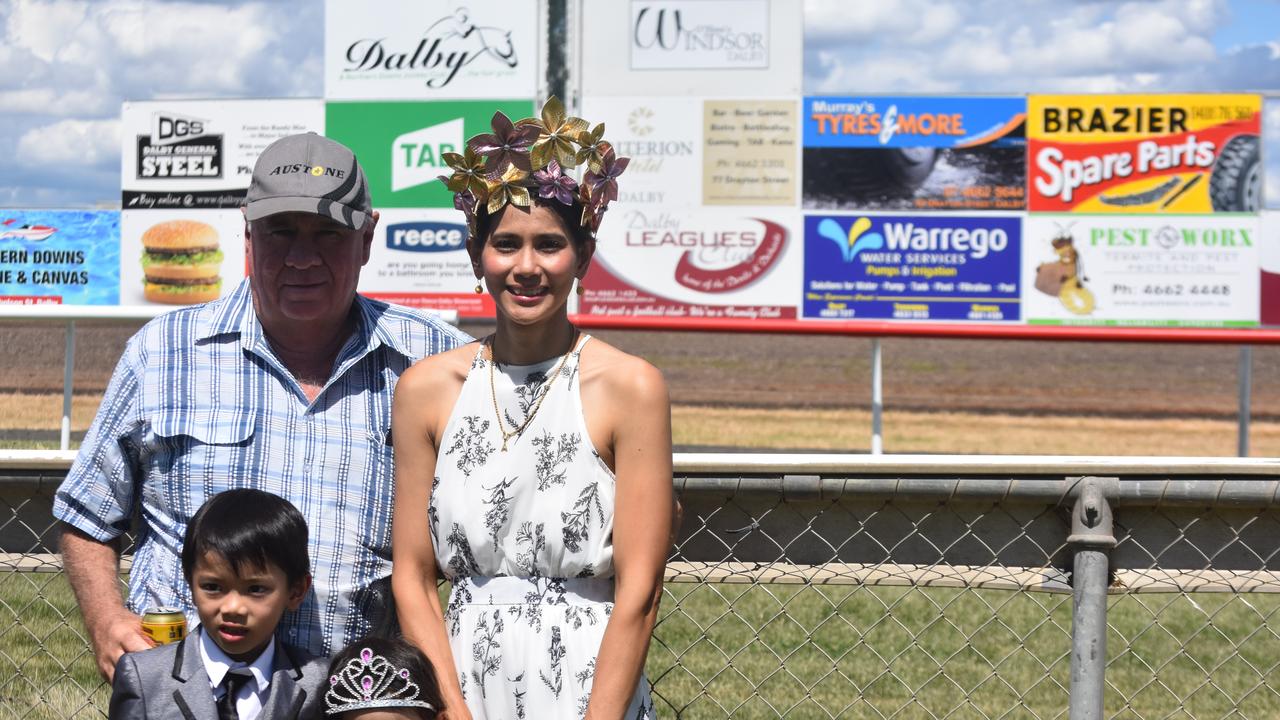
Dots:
{"x": 533, "y": 467}
{"x": 378, "y": 679}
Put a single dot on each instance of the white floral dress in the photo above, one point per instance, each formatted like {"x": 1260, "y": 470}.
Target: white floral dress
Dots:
{"x": 525, "y": 535}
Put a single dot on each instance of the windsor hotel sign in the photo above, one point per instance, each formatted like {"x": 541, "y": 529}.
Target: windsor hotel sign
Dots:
{"x": 684, "y": 34}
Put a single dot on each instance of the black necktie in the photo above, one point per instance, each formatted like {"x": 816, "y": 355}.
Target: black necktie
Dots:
{"x": 232, "y": 683}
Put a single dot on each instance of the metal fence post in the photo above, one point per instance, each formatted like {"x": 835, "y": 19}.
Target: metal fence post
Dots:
{"x": 1092, "y": 537}
{"x": 68, "y": 373}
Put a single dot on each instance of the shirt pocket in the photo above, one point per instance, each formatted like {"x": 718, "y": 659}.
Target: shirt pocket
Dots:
{"x": 197, "y": 452}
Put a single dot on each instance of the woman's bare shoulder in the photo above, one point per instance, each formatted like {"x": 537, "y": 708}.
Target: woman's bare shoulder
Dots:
{"x": 625, "y": 376}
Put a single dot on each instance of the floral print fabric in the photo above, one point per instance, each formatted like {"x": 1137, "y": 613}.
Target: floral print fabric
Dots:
{"x": 525, "y": 536}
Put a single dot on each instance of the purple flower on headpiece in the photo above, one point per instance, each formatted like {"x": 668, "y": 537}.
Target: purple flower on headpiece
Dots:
{"x": 466, "y": 202}
{"x": 603, "y": 184}
{"x": 554, "y": 183}
{"x": 507, "y": 145}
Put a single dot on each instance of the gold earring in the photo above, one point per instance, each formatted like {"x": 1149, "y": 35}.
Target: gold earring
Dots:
{"x": 582, "y": 289}
{"x": 479, "y": 289}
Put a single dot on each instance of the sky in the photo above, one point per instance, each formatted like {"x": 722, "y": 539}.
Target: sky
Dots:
{"x": 67, "y": 65}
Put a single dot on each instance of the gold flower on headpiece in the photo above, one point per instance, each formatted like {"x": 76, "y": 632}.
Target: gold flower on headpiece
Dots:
{"x": 558, "y": 134}
{"x": 468, "y": 172}
{"x": 593, "y": 147}
{"x": 507, "y": 189}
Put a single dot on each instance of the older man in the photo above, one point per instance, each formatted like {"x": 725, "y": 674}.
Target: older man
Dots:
{"x": 285, "y": 385}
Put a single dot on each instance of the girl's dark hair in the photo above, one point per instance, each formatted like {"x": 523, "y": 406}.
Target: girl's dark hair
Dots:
{"x": 248, "y": 527}
{"x": 570, "y": 215}
{"x": 403, "y": 656}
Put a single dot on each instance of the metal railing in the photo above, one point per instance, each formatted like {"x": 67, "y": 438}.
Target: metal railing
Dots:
{"x": 885, "y": 587}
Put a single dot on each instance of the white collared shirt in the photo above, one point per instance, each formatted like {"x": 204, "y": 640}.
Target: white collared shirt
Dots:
{"x": 217, "y": 664}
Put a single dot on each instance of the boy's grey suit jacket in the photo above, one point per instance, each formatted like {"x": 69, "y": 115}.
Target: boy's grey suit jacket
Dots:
{"x": 169, "y": 682}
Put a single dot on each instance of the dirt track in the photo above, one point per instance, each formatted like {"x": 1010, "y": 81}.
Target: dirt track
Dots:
{"x": 1118, "y": 380}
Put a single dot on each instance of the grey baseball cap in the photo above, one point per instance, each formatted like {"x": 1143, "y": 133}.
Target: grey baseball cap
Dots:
{"x": 309, "y": 173}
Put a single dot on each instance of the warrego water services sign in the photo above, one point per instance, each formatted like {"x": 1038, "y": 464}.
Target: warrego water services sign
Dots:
{"x": 691, "y": 35}
{"x": 396, "y": 49}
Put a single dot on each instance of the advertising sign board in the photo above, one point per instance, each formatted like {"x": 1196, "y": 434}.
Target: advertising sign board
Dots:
{"x": 406, "y": 50}
{"x": 68, "y": 257}
{"x": 1269, "y": 260}
{"x": 912, "y": 267}
{"x": 186, "y": 165}
{"x": 921, "y": 153}
{"x": 697, "y": 48}
{"x": 419, "y": 258}
{"x": 1144, "y": 153}
{"x": 749, "y": 151}
{"x": 690, "y": 152}
{"x": 180, "y": 257}
{"x": 401, "y": 144}
{"x": 702, "y": 264}
{"x": 199, "y": 154}
{"x": 1141, "y": 270}
{"x": 682, "y": 35}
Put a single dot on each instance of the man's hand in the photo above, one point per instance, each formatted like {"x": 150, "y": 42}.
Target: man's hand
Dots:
{"x": 93, "y": 569}
{"x": 113, "y": 635}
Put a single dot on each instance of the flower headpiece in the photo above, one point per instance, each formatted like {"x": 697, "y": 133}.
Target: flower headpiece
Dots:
{"x": 371, "y": 681}
{"x": 535, "y": 155}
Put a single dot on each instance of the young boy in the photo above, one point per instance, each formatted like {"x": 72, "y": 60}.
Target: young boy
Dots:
{"x": 245, "y": 558}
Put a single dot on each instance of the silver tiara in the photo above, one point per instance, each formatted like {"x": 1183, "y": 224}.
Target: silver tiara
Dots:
{"x": 371, "y": 681}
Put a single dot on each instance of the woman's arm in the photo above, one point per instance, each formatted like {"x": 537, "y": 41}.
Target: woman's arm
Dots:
{"x": 414, "y": 414}
{"x": 640, "y": 412}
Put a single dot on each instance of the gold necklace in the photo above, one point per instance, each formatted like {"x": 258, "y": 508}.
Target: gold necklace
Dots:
{"x": 546, "y": 390}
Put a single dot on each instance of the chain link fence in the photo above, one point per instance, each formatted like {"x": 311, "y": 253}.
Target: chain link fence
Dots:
{"x": 938, "y": 588}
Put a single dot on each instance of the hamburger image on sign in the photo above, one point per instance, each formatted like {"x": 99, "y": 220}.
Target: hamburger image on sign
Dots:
{"x": 181, "y": 260}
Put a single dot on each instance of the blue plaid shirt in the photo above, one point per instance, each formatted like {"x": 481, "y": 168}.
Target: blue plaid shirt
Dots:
{"x": 199, "y": 403}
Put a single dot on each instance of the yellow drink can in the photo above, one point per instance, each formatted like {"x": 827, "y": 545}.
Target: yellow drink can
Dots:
{"x": 164, "y": 625}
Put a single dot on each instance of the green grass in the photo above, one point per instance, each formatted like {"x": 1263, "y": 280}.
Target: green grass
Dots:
{"x": 46, "y": 669}
{"x": 801, "y": 651}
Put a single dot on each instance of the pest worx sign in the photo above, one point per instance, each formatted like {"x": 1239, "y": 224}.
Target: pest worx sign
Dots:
{"x": 1144, "y": 153}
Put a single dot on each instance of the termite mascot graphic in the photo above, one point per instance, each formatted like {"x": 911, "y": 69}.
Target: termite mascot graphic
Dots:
{"x": 1063, "y": 277}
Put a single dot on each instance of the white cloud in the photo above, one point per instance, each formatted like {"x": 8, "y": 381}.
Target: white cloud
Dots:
{"x": 66, "y": 66}
{"x": 1012, "y": 45}
{"x": 76, "y": 143}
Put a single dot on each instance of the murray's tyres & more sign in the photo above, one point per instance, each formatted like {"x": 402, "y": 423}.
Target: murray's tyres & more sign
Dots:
{"x": 914, "y": 153}
{"x": 1145, "y": 153}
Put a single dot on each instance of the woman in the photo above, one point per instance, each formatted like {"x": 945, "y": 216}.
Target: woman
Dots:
{"x": 533, "y": 466}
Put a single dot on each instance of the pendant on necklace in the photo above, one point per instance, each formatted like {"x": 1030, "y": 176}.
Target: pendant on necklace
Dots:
{"x": 504, "y": 444}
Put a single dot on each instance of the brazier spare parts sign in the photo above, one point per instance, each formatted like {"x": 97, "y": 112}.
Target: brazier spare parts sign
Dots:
{"x": 912, "y": 267}
{"x": 1145, "y": 153}
{"x": 1141, "y": 270}
{"x": 405, "y": 50}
